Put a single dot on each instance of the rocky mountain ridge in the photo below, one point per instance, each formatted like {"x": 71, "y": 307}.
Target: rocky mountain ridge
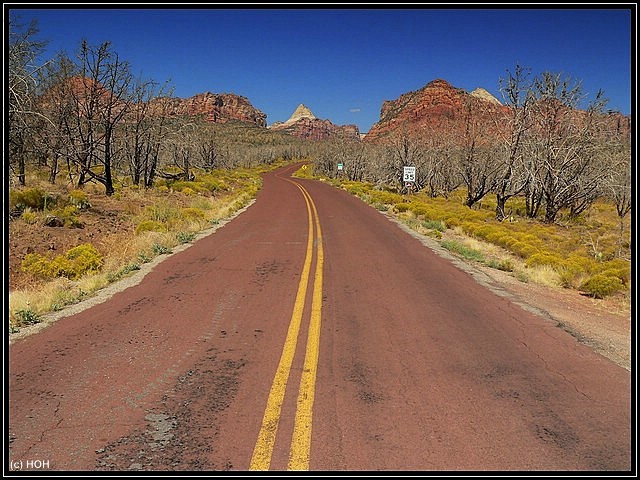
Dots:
{"x": 436, "y": 108}
{"x": 439, "y": 109}
{"x": 304, "y": 124}
{"x": 216, "y": 108}
{"x": 430, "y": 108}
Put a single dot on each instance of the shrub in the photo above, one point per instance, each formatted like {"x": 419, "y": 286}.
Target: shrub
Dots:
{"x": 601, "y": 285}
{"x": 419, "y": 210}
{"x": 434, "y": 225}
{"x": 85, "y": 258}
{"x": 150, "y": 226}
{"x": 185, "y": 237}
{"x": 544, "y": 258}
{"x": 624, "y": 274}
{"x": 69, "y": 215}
{"x": 187, "y": 187}
{"x": 29, "y": 216}
{"x": 193, "y": 213}
{"x": 73, "y": 264}
{"x": 159, "y": 249}
{"x": 79, "y": 199}
{"x": 213, "y": 184}
{"x": 385, "y": 197}
{"x": 27, "y": 317}
{"x": 30, "y": 197}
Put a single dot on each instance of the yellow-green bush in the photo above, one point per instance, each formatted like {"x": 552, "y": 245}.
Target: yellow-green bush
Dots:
{"x": 69, "y": 215}
{"x": 79, "y": 199}
{"x": 29, "y": 216}
{"x": 401, "y": 207}
{"x": 213, "y": 184}
{"x": 85, "y": 258}
{"x": 73, "y": 264}
{"x": 388, "y": 198}
{"x": 193, "y": 213}
{"x": 188, "y": 187}
{"x": 601, "y": 285}
{"x": 37, "y": 265}
{"x": 30, "y": 197}
{"x": 544, "y": 258}
{"x": 575, "y": 269}
{"x": 419, "y": 210}
{"x": 150, "y": 226}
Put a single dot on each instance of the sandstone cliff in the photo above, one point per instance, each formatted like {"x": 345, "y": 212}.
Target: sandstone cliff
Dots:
{"x": 439, "y": 109}
{"x": 217, "y": 108}
{"x": 437, "y": 105}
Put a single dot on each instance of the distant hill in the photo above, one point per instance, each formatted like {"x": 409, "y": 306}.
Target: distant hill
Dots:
{"x": 439, "y": 108}
{"x": 435, "y": 106}
{"x": 216, "y": 108}
{"x": 304, "y": 124}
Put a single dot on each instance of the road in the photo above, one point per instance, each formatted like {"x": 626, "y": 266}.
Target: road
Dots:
{"x": 311, "y": 333}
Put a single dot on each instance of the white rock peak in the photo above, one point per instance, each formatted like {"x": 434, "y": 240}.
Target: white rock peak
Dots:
{"x": 484, "y": 95}
{"x": 301, "y": 112}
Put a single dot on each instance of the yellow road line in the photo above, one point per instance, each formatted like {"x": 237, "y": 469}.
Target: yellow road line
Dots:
{"x": 261, "y": 458}
{"x": 301, "y": 440}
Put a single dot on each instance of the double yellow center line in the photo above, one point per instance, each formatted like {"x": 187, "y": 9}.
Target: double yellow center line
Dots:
{"x": 301, "y": 439}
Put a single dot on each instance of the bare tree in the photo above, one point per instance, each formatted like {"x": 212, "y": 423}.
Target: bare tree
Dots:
{"x": 208, "y": 150}
{"x": 144, "y": 130}
{"x": 181, "y": 145}
{"x": 477, "y": 160}
{"x": 566, "y": 150}
{"x": 618, "y": 187}
{"x": 100, "y": 99}
{"x": 56, "y": 106}
{"x": 518, "y": 97}
{"x": 436, "y": 168}
{"x": 22, "y": 54}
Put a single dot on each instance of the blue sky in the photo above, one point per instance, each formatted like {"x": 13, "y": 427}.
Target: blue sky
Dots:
{"x": 343, "y": 63}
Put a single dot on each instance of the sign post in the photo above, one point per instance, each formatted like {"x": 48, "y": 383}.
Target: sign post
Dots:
{"x": 409, "y": 177}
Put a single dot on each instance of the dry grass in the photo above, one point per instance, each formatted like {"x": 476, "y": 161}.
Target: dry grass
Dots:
{"x": 125, "y": 252}
{"x": 564, "y": 254}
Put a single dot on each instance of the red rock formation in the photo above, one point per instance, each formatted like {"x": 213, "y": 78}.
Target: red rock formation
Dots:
{"x": 218, "y": 108}
{"x": 317, "y": 129}
{"x": 442, "y": 110}
{"x": 305, "y": 124}
{"x": 438, "y": 105}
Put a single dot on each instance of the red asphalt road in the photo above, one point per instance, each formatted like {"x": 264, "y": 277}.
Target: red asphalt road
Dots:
{"x": 419, "y": 367}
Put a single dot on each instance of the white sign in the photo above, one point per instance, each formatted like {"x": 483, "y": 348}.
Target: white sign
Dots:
{"x": 409, "y": 174}
{"x": 340, "y": 166}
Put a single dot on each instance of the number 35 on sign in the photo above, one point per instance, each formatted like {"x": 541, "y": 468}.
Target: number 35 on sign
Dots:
{"x": 409, "y": 174}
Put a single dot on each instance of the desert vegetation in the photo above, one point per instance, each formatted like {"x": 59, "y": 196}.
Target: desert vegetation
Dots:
{"x": 543, "y": 190}
{"x": 587, "y": 252}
